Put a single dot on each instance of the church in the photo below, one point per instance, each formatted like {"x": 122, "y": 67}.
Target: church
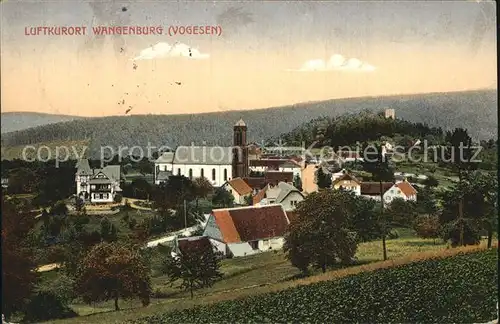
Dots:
{"x": 215, "y": 163}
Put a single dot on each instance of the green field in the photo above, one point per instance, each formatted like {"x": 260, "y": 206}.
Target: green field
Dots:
{"x": 242, "y": 277}
{"x": 455, "y": 289}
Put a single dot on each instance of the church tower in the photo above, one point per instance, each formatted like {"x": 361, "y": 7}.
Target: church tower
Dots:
{"x": 240, "y": 150}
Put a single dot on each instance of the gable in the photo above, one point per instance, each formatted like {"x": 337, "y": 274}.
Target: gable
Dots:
{"x": 212, "y": 229}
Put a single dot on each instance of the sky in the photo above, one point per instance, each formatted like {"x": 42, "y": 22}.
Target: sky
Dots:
{"x": 267, "y": 54}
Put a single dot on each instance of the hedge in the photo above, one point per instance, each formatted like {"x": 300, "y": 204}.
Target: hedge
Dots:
{"x": 458, "y": 289}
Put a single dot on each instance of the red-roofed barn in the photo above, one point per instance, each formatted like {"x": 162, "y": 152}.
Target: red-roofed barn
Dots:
{"x": 247, "y": 230}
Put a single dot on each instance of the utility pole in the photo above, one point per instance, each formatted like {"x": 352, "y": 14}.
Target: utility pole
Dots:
{"x": 461, "y": 217}
{"x": 185, "y": 215}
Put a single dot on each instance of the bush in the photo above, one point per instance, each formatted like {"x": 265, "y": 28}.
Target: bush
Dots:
{"x": 118, "y": 198}
{"x": 427, "y": 226}
{"x": 451, "y": 232}
{"x": 393, "y": 235}
{"x": 426, "y": 293}
{"x": 46, "y": 306}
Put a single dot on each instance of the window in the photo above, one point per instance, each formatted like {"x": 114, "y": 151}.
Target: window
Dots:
{"x": 178, "y": 171}
{"x": 213, "y": 174}
{"x": 101, "y": 196}
{"x": 225, "y": 174}
{"x": 202, "y": 173}
{"x": 190, "y": 173}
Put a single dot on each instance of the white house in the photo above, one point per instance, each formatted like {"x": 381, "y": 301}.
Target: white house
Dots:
{"x": 403, "y": 190}
{"x": 239, "y": 189}
{"x": 98, "y": 185}
{"x": 242, "y": 231}
{"x": 284, "y": 194}
{"x": 281, "y": 165}
{"x": 163, "y": 167}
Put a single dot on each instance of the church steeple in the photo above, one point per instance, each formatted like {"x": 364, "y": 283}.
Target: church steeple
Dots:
{"x": 240, "y": 150}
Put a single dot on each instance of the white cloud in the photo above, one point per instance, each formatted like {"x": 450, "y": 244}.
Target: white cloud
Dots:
{"x": 336, "y": 63}
{"x": 164, "y": 50}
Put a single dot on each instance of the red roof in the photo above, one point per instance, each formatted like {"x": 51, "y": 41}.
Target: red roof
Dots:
{"x": 240, "y": 186}
{"x": 188, "y": 244}
{"x": 259, "y": 196}
{"x": 406, "y": 188}
{"x": 251, "y": 223}
{"x": 373, "y": 188}
{"x": 256, "y": 182}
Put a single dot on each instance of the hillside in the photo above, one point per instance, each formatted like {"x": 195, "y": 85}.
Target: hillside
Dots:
{"x": 474, "y": 110}
{"x": 14, "y": 121}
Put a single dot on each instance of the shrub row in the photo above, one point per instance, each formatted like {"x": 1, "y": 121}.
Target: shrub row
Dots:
{"x": 458, "y": 289}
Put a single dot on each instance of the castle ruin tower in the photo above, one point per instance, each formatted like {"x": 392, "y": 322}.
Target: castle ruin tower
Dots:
{"x": 240, "y": 150}
{"x": 390, "y": 113}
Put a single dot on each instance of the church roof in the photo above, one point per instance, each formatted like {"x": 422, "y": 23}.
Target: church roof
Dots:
{"x": 166, "y": 157}
{"x": 240, "y": 123}
{"x": 211, "y": 155}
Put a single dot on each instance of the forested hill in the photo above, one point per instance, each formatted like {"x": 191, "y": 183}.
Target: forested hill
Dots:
{"x": 474, "y": 110}
{"x": 14, "y": 121}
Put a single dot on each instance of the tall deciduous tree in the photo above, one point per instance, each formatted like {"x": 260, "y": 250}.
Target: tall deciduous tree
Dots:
{"x": 323, "y": 178}
{"x": 376, "y": 164}
{"x": 321, "y": 236}
{"x": 111, "y": 271}
{"x": 202, "y": 188}
{"x": 196, "y": 267}
{"x": 18, "y": 261}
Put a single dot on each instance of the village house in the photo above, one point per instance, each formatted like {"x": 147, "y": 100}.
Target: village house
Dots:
{"x": 239, "y": 189}
{"x": 403, "y": 190}
{"x": 276, "y": 164}
{"x": 347, "y": 182}
{"x": 372, "y": 189}
{"x": 215, "y": 163}
{"x": 284, "y": 194}
{"x": 97, "y": 185}
{"x": 241, "y": 231}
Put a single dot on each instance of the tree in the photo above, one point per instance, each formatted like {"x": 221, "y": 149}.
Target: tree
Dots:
{"x": 427, "y": 226}
{"x": 401, "y": 213}
{"x": 111, "y": 271}
{"x": 18, "y": 259}
{"x": 79, "y": 204}
{"x": 479, "y": 193}
{"x": 376, "y": 164}
{"x": 23, "y": 180}
{"x": 109, "y": 233}
{"x": 118, "y": 198}
{"x": 248, "y": 200}
{"x": 365, "y": 219}
{"x": 321, "y": 236}
{"x": 426, "y": 202}
{"x": 202, "y": 188}
{"x": 223, "y": 198}
{"x": 323, "y": 179}
{"x": 197, "y": 266}
{"x": 172, "y": 193}
{"x": 459, "y": 153}
{"x": 297, "y": 182}
{"x": 431, "y": 182}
